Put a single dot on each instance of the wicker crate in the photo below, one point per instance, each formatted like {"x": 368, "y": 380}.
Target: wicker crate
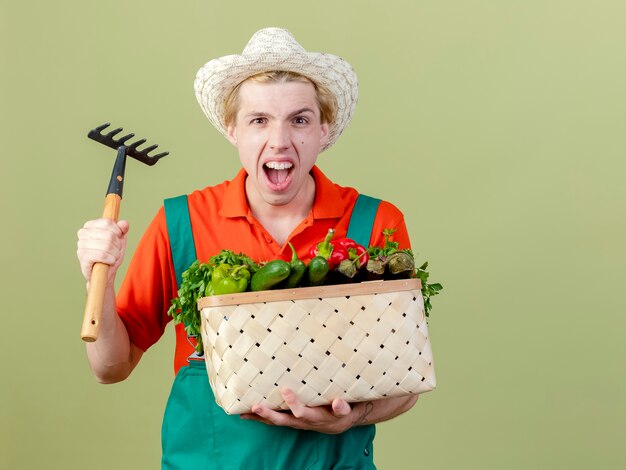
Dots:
{"x": 358, "y": 342}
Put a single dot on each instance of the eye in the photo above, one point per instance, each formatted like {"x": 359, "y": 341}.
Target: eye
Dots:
{"x": 258, "y": 120}
{"x": 300, "y": 120}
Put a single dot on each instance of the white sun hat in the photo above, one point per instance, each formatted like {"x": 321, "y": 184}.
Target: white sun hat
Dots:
{"x": 275, "y": 49}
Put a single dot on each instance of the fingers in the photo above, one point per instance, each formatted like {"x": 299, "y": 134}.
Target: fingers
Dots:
{"x": 255, "y": 417}
{"x": 327, "y": 419}
{"x": 341, "y": 407}
{"x": 101, "y": 241}
{"x": 298, "y": 408}
{"x": 271, "y": 417}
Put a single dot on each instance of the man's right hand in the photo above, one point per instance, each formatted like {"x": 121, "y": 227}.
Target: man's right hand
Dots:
{"x": 102, "y": 241}
{"x": 113, "y": 356}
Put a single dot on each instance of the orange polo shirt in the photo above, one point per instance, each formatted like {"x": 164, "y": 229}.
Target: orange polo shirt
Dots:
{"x": 221, "y": 219}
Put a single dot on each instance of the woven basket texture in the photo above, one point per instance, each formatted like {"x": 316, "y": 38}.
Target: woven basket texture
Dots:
{"x": 356, "y": 347}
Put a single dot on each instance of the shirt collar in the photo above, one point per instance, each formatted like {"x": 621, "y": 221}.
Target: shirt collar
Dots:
{"x": 327, "y": 196}
{"x": 235, "y": 203}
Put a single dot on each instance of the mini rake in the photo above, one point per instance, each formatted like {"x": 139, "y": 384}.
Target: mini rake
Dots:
{"x": 95, "y": 296}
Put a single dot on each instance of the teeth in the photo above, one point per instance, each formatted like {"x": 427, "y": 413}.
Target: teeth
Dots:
{"x": 279, "y": 165}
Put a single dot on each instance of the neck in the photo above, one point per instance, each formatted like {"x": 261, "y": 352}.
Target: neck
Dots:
{"x": 281, "y": 220}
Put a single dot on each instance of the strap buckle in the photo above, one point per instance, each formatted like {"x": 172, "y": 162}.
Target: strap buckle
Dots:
{"x": 194, "y": 356}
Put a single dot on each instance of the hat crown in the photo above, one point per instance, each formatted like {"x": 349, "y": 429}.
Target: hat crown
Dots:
{"x": 276, "y": 41}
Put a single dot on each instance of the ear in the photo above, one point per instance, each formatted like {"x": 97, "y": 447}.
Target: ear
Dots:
{"x": 324, "y": 133}
{"x": 232, "y": 134}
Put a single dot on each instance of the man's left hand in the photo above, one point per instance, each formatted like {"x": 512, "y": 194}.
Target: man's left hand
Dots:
{"x": 331, "y": 419}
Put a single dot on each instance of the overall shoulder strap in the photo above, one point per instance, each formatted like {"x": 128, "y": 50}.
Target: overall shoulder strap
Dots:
{"x": 362, "y": 219}
{"x": 179, "y": 231}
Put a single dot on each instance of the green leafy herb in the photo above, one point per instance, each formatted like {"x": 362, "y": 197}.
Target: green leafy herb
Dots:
{"x": 229, "y": 257}
{"x": 428, "y": 290}
{"x": 196, "y": 283}
{"x": 184, "y": 308}
{"x": 388, "y": 248}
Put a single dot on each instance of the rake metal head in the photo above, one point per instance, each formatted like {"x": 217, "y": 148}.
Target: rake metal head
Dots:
{"x": 131, "y": 150}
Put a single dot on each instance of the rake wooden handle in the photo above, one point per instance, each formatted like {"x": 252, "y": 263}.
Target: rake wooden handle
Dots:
{"x": 97, "y": 284}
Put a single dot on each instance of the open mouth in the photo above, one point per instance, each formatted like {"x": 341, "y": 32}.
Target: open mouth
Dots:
{"x": 278, "y": 172}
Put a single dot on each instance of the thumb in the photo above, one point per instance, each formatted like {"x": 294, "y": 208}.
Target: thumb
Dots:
{"x": 341, "y": 407}
{"x": 124, "y": 226}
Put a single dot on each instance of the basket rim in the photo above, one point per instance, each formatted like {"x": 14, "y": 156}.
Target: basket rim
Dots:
{"x": 301, "y": 293}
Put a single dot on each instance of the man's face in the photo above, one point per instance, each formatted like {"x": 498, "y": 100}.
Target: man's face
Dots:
{"x": 278, "y": 135}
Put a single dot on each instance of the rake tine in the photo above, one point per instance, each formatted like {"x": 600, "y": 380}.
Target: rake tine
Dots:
{"x": 102, "y": 127}
{"x": 115, "y": 132}
{"x": 147, "y": 150}
{"x": 134, "y": 145}
{"x": 148, "y": 159}
{"x": 122, "y": 140}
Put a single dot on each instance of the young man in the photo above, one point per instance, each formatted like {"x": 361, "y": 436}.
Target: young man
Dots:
{"x": 280, "y": 106}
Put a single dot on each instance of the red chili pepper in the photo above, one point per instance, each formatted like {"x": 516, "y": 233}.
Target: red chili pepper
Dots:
{"x": 355, "y": 251}
{"x": 333, "y": 252}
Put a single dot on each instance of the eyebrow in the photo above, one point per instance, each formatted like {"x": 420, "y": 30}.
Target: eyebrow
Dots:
{"x": 302, "y": 111}
{"x": 295, "y": 113}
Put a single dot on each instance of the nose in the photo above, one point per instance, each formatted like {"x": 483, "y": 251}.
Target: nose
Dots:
{"x": 279, "y": 138}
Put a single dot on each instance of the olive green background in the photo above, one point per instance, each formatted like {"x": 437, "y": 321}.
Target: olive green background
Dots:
{"x": 497, "y": 127}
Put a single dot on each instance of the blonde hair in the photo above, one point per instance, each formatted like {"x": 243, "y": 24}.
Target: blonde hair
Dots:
{"x": 325, "y": 99}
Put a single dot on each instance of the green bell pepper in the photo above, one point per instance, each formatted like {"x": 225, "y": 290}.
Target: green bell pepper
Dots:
{"x": 227, "y": 279}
